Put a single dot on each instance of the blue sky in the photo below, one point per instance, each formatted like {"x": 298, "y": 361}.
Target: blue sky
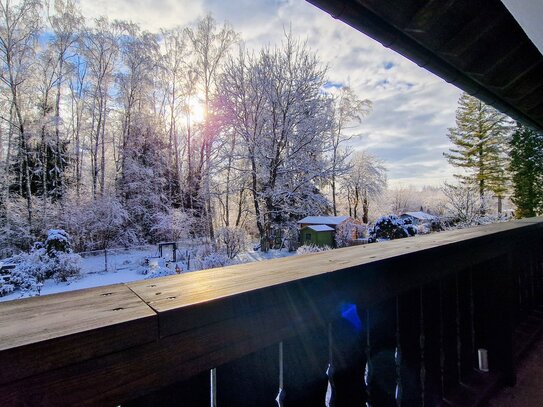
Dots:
{"x": 412, "y": 108}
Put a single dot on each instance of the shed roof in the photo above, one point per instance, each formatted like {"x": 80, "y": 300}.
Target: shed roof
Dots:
{"x": 323, "y": 220}
{"x": 419, "y": 215}
{"x": 320, "y": 228}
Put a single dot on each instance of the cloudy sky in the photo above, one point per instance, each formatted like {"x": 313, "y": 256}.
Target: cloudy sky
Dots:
{"x": 412, "y": 108}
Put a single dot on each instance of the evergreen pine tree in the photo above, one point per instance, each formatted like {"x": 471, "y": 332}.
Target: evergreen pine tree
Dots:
{"x": 480, "y": 147}
{"x": 527, "y": 171}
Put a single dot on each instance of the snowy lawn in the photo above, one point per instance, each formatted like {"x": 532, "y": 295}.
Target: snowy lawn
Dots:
{"x": 125, "y": 266}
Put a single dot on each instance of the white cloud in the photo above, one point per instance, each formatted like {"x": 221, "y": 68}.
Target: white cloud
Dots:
{"x": 152, "y": 15}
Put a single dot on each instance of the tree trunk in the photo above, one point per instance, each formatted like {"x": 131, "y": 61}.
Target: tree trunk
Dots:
{"x": 58, "y": 157}
{"x": 365, "y": 208}
{"x": 103, "y": 157}
{"x": 334, "y": 194}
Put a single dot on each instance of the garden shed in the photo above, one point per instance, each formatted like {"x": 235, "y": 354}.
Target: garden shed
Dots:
{"x": 418, "y": 218}
{"x": 331, "y": 221}
{"x": 319, "y": 235}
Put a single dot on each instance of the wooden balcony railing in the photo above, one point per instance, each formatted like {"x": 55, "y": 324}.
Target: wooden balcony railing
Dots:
{"x": 391, "y": 324}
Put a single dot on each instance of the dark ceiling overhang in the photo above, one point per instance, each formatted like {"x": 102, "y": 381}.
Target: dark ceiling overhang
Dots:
{"x": 476, "y": 45}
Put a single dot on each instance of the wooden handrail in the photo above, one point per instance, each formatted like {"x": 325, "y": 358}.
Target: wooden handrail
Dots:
{"x": 112, "y": 343}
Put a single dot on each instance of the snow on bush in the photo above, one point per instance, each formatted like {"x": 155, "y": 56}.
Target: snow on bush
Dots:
{"x": 392, "y": 227}
{"x": 159, "y": 272}
{"x": 231, "y": 240}
{"x": 6, "y": 288}
{"x": 98, "y": 224}
{"x": 54, "y": 259}
{"x": 349, "y": 231}
{"x": 423, "y": 229}
{"x": 57, "y": 241}
{"x": 214, "y": 259}
{"x": 67, "y": 265}
{"x": 311, "y": 248}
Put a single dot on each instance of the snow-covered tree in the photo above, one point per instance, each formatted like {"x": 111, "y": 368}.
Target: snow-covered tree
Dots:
{"x": 142, "y": 186}
{"x": 364, "y": 182}
{"x": 173, "y": 225}
{"x": 19, "y": 29}
{"x": 100, "y": 48}
{"x": 231, "y": 240}
{"x": 464, "y": 203}
{"x": 348, "y": 111}
{"x": 480, "y": 147}
{"x": 274, "y": 103}
{"x": 99, "y": 224}
{"x": 210, "y": 45}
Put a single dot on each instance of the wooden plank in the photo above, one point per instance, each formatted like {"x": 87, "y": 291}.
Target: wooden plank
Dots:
{"x": 194, "y": 299}
{"x": 43, "y": 333}
{"x": 192, "y": 288}
{"x": 121, "y": 376}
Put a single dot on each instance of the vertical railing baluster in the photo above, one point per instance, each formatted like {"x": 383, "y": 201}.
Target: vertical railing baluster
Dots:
{"x": 368, "y": 371}
{"x": 441, "y": 340}
{"x": 526, "y": 281}
{"x": 398, "y": 357}
{"x": 422, "y": 340}
{"x": 519, "y": 268}
{"x": 458, "y": 333}
{"x": 331, "y": 390}
{"x": 539, "y": 272}
{"x": 472, "y": 317}
{"x": 213, "y": 387}
{"x": 532, "y": 278}
{"x": 281, "y": 393}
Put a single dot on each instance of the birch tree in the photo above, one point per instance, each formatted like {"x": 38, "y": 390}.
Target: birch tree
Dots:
{"x": 65, "y": 21}
{"x": 348, "y": 111}
{"x": 19, "y": 27}
{"x": 365, "y": 181}
{"x": 210, "y": 45}
{"x": 100, "y": 48}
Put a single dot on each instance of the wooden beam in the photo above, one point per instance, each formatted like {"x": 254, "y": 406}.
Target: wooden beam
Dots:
{"x": 43, "y": 333}
{"x": 111, "y": 344}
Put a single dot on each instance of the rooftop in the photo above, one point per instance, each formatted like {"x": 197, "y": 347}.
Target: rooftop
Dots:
{"x": 323, "y": 220}
{"x": 320, "y": 228}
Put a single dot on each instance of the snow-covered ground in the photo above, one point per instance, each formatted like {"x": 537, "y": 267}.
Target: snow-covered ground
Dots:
{"x": 125, "y": 266}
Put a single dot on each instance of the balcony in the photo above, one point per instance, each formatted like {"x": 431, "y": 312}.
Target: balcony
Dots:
{"x": 395, "y": 323}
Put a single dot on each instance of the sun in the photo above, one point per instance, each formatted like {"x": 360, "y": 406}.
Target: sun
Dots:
{"x": 196, "y": 110}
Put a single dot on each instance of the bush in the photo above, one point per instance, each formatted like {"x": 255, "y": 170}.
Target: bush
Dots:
{"x": 67, "y": 265}
{"x": 54, "y": 259}
{"x": 57, "y": 241}
{"x": 6, "y": 288}
{"x": 231, "y": 240}
{"x": 311, "y": 248}
{"x": 214, "y": 259}
{"x": 423, "y": 229}
{"x": 159, "y": 272}
{"x": 392, "y": 227}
